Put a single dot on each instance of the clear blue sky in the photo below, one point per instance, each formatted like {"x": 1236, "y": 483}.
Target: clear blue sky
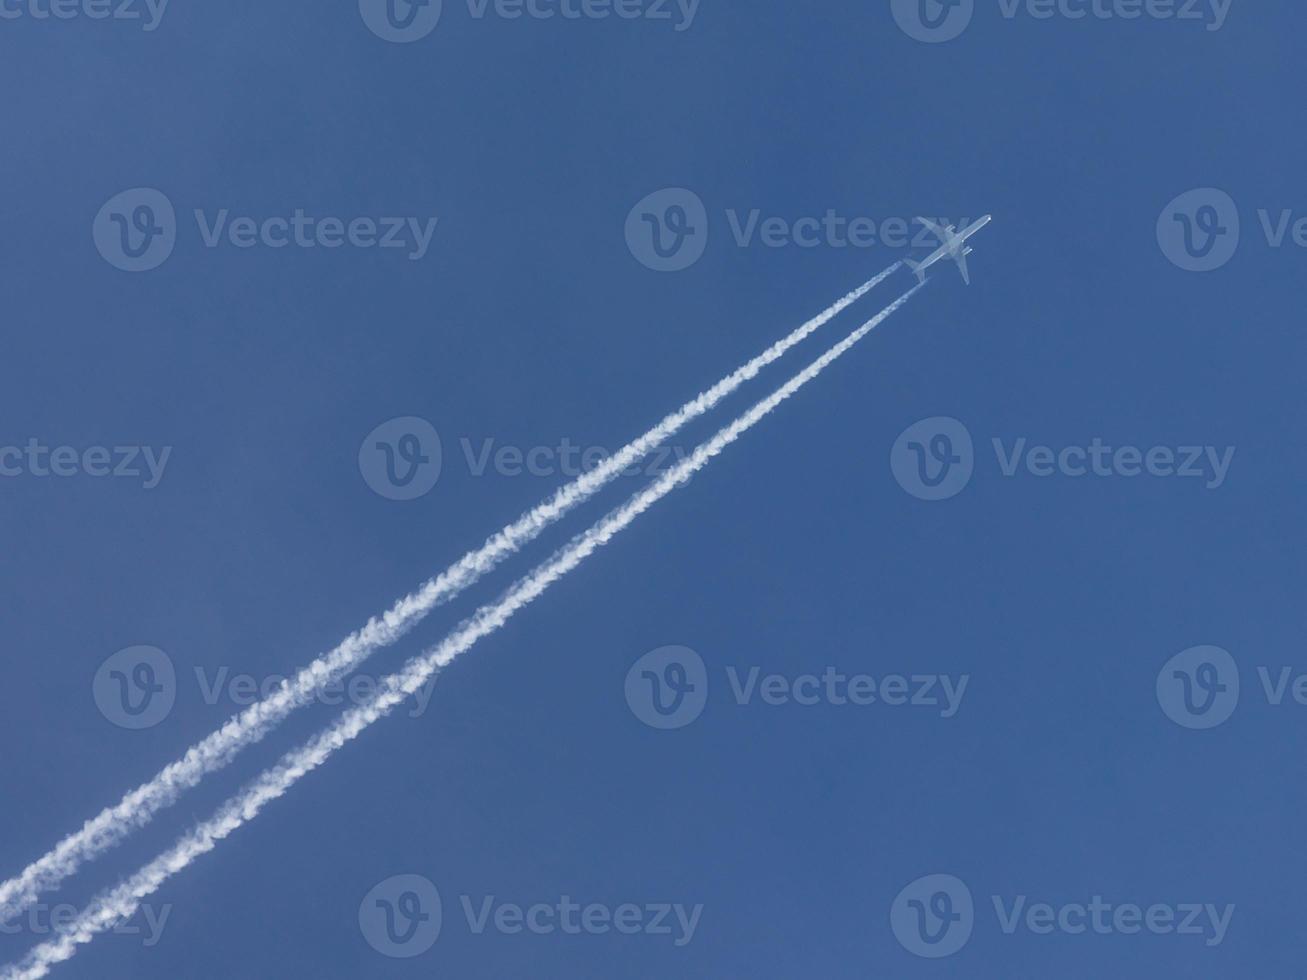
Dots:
{"x": 529, "y": 320}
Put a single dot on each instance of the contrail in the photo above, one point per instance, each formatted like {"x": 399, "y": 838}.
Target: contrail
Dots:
{"x": 121, "y": 902}
{"x": 138, "y": 807}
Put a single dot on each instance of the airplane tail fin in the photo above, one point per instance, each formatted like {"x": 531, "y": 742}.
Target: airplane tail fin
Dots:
{"x": 916, "y": 267}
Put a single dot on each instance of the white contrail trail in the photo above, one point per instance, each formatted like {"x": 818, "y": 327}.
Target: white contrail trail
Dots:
{"x": 139, "y": 806}
{"x": 121, "y": 902}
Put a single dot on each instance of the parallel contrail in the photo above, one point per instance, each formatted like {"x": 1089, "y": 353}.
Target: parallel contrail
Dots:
{"x": 138, "y": 807}
{"x": 122, "y": 902}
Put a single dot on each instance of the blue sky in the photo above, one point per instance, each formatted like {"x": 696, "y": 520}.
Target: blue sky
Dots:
{"x": 517, "y": 313}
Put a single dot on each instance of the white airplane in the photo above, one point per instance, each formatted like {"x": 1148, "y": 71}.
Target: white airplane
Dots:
{"x": 953, "y": 245}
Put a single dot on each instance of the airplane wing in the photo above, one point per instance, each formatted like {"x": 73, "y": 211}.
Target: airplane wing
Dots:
{"x": 961, "y": 259}
{"x": 941, "y": 233}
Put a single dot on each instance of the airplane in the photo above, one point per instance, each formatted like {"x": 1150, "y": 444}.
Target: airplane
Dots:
{"x": 952, "y": 245}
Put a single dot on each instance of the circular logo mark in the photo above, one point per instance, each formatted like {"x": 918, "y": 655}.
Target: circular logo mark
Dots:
{"x": 1199, "y": 688}
{"x": 933, "y": 459}
{"x": 400, "y": 917}
{"x": 933, "y": 21}
{"x": 401, "y": 21}
{"x": 400, "y": 459}
{"x": 667, "y": 688}
{"x": 136, "y": 230}
{"x": 1199, "y": 230}
{"x": 668, "y": 230}
{"x": 136, "y": 687}
{"x": 933, "y": 917}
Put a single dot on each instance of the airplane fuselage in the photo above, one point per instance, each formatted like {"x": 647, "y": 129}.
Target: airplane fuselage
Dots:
{"x": 953, "y": 245}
